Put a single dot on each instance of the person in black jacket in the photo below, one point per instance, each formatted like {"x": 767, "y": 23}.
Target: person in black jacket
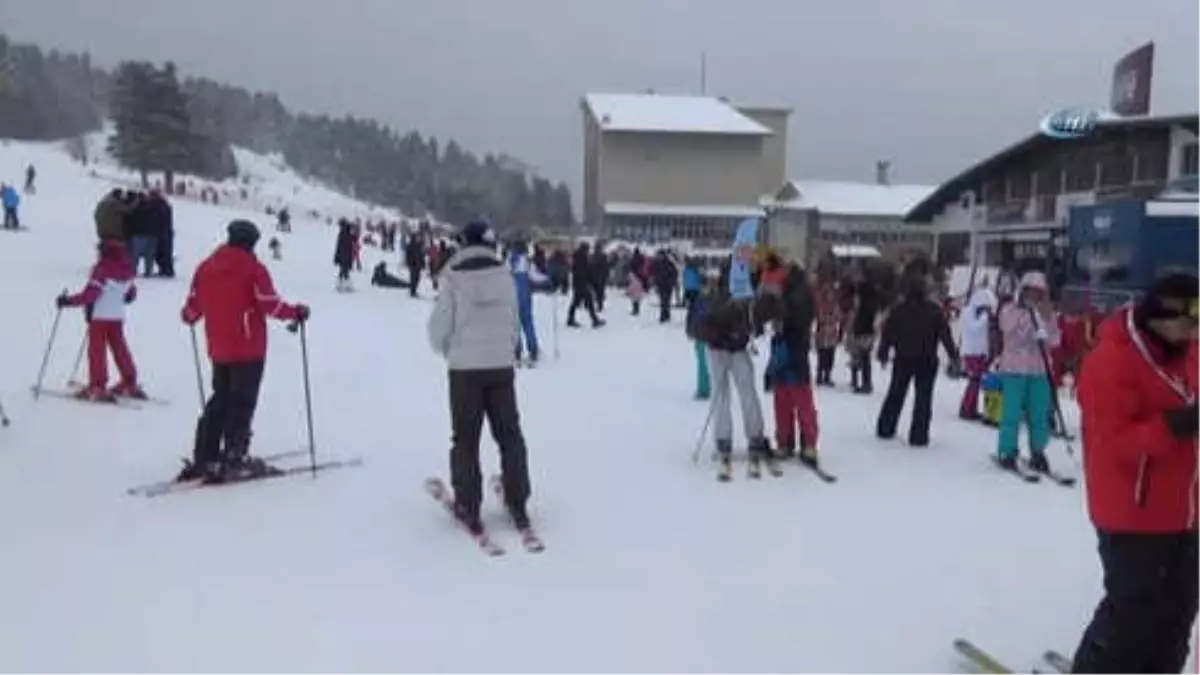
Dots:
{"x": 913, "y": 330}
{"x": 727, "y": 329}
{"x": 343, "y": 253}
{"x": 581, "y": 283}
{"x": 143, "y": 234}
{"x": 599, "y": 270}
{"x": 164, "y": 223}
{"x": 414, "y": 260}
{"x": 666, "y": 276}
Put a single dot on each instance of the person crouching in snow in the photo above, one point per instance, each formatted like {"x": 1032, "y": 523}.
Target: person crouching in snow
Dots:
{"x": 109, "y": 289}
{"x": 788, "y": 373}
{"x": 1028, "y": 327}
{"x": 727, "y": 329}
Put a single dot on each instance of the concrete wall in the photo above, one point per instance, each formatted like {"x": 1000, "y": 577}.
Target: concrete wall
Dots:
{"x": 1179, "y": 138}
{"x": 680, "y": 168}
{"x": 774, "y": 156}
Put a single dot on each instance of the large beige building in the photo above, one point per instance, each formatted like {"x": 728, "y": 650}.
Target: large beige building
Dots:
{"x": 659, "y": 167}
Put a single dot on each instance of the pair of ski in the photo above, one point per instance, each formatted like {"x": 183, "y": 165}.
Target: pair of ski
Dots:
{"x": 1030, "y": 475}
{"x": 986, "y": 663}
{"x": 530, "y": 540}
{"x": 168, "y": 487}
{"x": 116, "y": 402}
{"x": 754, "y": 470}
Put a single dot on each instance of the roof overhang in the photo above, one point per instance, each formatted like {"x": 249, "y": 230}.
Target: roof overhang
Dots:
{"x": 700, "y": 210}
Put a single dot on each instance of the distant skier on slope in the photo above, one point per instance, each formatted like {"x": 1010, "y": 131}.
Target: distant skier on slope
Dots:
{"x": 474, "y": 327}
{"x": 521, "y": 270}
{"x": 11, "y": 201}
{"x": 30, "y": 179}
{"x": 232, "y": 291}
{"x": 109, "y": 289}
{"x": 1137, "y": 395}
{"x": 414, "y": 260}
{"x": 343, "y": 254}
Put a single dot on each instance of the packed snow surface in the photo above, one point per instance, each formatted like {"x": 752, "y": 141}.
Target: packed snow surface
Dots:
{"x": 651, "y": 565}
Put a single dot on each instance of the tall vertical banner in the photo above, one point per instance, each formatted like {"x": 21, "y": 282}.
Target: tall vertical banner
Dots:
{"x": 1131, "y": 82}
{"x": 745, "y": 243}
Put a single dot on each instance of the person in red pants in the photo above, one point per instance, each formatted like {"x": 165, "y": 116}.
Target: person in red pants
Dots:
{"x": 108, "y": 290}
{"x": 788, "y": 373}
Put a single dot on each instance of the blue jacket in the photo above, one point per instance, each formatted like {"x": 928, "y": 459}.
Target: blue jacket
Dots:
{"x": 782, "y": 366}
{"x": 691, "y": 279}
{"x": 10, "y": 197}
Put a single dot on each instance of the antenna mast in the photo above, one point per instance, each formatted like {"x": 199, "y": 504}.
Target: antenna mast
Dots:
{"x": 703, "y": 72}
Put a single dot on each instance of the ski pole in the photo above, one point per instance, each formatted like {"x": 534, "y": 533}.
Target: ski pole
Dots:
{"x": 37, "y": 388}
{"x": 712, "y": 408}
{"x": 1055, "y": 406}
{"x": 3, "y": 416}
{"x": 312, "y": 445}
{"x": 199, "y": 374}
{"x": 74, "y": 381}
{"x": 556, "y": 352}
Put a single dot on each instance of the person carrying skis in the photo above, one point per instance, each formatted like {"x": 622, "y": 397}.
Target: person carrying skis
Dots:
{"x": 913, "y": 329}
{"x": 474, "y": 326}
{"x": 110, "y": 287}
{"x": 727, "y": 330}
{"x": 11, "y": 201}
{"x": 518, "y": 262}
{"x": 1027, "y": 327}
{"x": 976, "y": 324}
{"x": 788, "y": 374}
{"x": 1137, "y": 396}
{"x": 233, "y": 293}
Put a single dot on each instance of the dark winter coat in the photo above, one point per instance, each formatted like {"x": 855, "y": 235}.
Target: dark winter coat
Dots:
{"x": 637, "y": 263}
{"x": 866, "y": 308}
{"x": 343, "y": 250}
{"x": 666, "y": 274}
{"x": 599, "y": 269}
{"x": 414, "y": 254}
{"x": 581, "y": 269}
{"x": 110, "y": 217}
{"x": 726, "y": 325}
{"x": 162, "y": 218}
{"x": 914, "y": 329}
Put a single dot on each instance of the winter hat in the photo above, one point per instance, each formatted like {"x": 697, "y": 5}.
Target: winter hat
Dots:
{"x": 1171, "y": 296}
{"x": 1035, "y": 280}
{"x": 477, "y": 233}
{"x": 243, "y": 234}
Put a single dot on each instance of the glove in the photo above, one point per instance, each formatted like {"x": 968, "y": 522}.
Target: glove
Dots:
{"x": 62, "y": 301}
{"x": 1182, "y": 422}
{"x": 1040, "y": 334}
{"x": 980, "y": 311}
{"x": 302, "y": 313}
{"x": 188, "y": 318}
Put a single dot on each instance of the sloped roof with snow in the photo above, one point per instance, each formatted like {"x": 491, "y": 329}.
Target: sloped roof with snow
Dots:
{"x": 834, "y": 197}
{"x": 660, "y": 113}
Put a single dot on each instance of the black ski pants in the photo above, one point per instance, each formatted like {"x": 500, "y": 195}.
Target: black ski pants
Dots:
{"x": 414, "y": 280}
{"x": 664, "y": 304}
{"x": 825, "y": 364}
{"x": 164, "y": 254}
{"x": 599, "y": 289}
{"x": 228, "y": 413}
{"x": 475, "y": 394}
{"x": 1144, "y": 622}
{"x": 921, "y": 374}
{"x": 582, "y": 296}
{"x": 343, "y": 271}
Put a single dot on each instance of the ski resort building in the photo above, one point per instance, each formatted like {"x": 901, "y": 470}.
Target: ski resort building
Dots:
{"x": 659, "y": 168}
{"x": 1015, "y": 204}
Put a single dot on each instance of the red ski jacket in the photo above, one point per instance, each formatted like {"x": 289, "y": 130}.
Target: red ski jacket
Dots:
{"x": 110, "y": 286}
{"x": 1140, "y": 478}
{"x": 232, "y": 291}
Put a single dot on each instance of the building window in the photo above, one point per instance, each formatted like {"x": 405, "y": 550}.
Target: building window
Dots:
{"x": 1188, "y": 160}
{"x": 1116, "y": 171}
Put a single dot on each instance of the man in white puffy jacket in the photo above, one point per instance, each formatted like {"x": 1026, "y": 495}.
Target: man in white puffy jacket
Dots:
{"x": 976, "y": 326}
{"x": 474, "y": 326}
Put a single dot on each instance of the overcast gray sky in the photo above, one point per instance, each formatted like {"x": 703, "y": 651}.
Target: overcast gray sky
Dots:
{"x": 930, "y": 84}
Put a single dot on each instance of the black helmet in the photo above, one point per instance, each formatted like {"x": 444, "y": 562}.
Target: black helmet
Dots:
{"x": 243, "y": 234}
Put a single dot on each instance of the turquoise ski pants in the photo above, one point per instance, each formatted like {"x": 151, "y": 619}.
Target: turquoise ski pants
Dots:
{"x": 703, "y": 382}
{"x": 1026, "y": 399}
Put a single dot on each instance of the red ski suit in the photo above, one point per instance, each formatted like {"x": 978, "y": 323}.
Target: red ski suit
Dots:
{"x": 232, "y": 291}
{"x": 109, "y": 289}
{"x": 1140, "y": 478}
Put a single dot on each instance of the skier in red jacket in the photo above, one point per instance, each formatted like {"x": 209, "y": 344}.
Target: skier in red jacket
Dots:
{"x": 232, "y": 291}
{"x": 1137, "y": 393}
{"x": 108, "y": 290}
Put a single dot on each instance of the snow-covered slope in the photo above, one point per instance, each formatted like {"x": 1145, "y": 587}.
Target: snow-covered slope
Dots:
{"x": 651, "y": 564}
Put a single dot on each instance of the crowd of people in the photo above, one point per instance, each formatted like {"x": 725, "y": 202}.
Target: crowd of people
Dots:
{"x": 144, "y": 222}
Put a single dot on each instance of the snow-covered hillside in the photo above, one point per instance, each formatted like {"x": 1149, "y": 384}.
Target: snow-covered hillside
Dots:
{"x": 651, "y": 565}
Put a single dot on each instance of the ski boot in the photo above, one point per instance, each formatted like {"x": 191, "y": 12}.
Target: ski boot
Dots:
{"x": 1038, "y": 462}
{"x": 809, "y": 457}
{"x": 469, "y": 518}
{"x": 786, "y": 450}
{"x": 760, "y": 453}
{"x": 128, "y": 390}
{"x": 724, "y": 460}
{"x": 95, "y": 394}
{"x": 1007, "y": 462}
{"x": 191, "y": 471}
{"x": 520, "y": 517}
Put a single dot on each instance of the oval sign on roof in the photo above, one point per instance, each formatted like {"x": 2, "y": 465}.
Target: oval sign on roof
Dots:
{"x": 1071, "y": 123}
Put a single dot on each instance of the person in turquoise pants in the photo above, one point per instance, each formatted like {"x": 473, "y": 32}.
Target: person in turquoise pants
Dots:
{"x": 1028, "y": 327}
{"x": 695, "y": 311}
